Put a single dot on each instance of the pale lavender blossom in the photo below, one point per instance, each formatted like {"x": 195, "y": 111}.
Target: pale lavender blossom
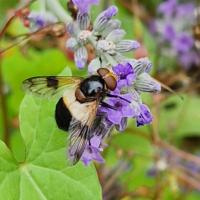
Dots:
{"x": 168, "y": 7}
{"x": 145, "y": 116}
{"x": 122, "y": 109}
{"x": 125, "y": 73}
{"x": 84, "y": 5}
{"x": 93, "y": 151}
{"x": 41, "y": 19}
{"x": 169, "y": 33}
{"x": 106, "y": 38}
{"x": 183, "y": 43}
{"x": 173, "y": 32}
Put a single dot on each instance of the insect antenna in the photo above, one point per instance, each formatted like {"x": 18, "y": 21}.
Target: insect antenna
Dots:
{"x": 116, "y": 96}
{"x": 106, "y": 105}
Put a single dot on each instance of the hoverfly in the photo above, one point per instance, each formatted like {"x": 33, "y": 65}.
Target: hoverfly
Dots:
{"x": 76, "y": 110}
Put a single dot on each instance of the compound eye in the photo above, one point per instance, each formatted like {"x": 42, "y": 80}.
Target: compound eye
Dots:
{"x": 103, "y": 72}
{"x": 108, "y": 77}
{"x": 111, "y": 82}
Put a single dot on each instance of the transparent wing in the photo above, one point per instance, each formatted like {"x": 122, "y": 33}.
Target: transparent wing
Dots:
{"x": 49, "y": 85}
{"x": 78, "y": 140}
{"x": 101, "y": 126}
{"x": 80, "y": 129}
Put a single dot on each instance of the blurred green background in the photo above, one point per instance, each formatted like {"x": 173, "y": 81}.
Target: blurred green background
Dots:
{"x": 131, "y": 156}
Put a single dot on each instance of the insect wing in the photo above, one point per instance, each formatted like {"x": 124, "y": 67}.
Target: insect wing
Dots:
{"x": 81, "y": 135}
{"x": 78, "y": 140}
{"x": 83, "y": 116}
{"x": 49, "y": 85}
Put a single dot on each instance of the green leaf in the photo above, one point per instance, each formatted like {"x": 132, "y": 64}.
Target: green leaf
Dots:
{"x": 45, "y": 174}
{"x": 180, "y": 117}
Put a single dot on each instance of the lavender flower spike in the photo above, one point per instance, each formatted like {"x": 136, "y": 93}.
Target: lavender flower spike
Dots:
{"x": 84, "y": 5}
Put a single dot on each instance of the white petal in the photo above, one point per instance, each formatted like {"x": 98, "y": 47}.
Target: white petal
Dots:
{"x": 72, "y": 44}
{"x": 116, "y": 35}
{"x": 111, "y": 25}
{"x": 142, "y": 65}
{"x": 145, "y": 83}
{"x": 127, "y": 45}
{"x": 94, "y": 65}
{"x": 81, "y": 57}
{"x": 83, "y": 21}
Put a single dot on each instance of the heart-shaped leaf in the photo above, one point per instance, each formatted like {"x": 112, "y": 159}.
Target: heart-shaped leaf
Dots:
{"x": 45, "y": 174}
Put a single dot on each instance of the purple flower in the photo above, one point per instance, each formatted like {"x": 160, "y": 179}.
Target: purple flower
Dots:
{"x": 92, "y": 151}
{"x": 41, "y": 19}
{"x": 145, "y": 116}
{"x": 173, "y": 32}
{"x": 168, "y": 7}
{"x": 104, "y": 17}
{"x": 189, "y": 58}
{"x": 84, "y": 5}
{"x": 183, "y": 43}
{"x": 192, "y": 167}
{"x": 185, "y": 9}
{"x": 110, "y": 12}
{"x": 81, "y": 57}
{"x": 121, "y": 110}
{"x": 169, "y": 33}
{"x": 125, "y": 74}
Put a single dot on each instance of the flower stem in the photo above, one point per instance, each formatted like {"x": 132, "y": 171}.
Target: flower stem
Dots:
{"x": 42, "y": 5}
{"x": 58, "y": 10}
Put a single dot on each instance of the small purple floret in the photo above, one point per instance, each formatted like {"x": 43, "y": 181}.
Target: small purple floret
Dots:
{"x": 185, "y": 9}
{"x": 183, "y": 43}
{"x": 169, "y": 32}
{"x": 111, "y": 11}
{"x": 145, "y": 116}
{"x": 80, "y": 63}
{"x": 168, "y": 7}
{"x": 84, "y": 5}
{"x": 125, "y": 74}
{"x": 92, "y": 151}
{"x": 135, "y": 44}
{"x": 122, "y": 110}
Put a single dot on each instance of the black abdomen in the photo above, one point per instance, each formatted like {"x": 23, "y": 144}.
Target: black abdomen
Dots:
{"x": 62, "y": 115}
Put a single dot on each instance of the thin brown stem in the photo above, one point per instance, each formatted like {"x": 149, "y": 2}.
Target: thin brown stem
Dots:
{"x": 180, "y": 153}
{"x": 189, "y": 180}
{"x": 6, "y": 25}
{"x": 175, "y": 151}
{"x": 25, "y": 37}
{"x": 9, "y": 21}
